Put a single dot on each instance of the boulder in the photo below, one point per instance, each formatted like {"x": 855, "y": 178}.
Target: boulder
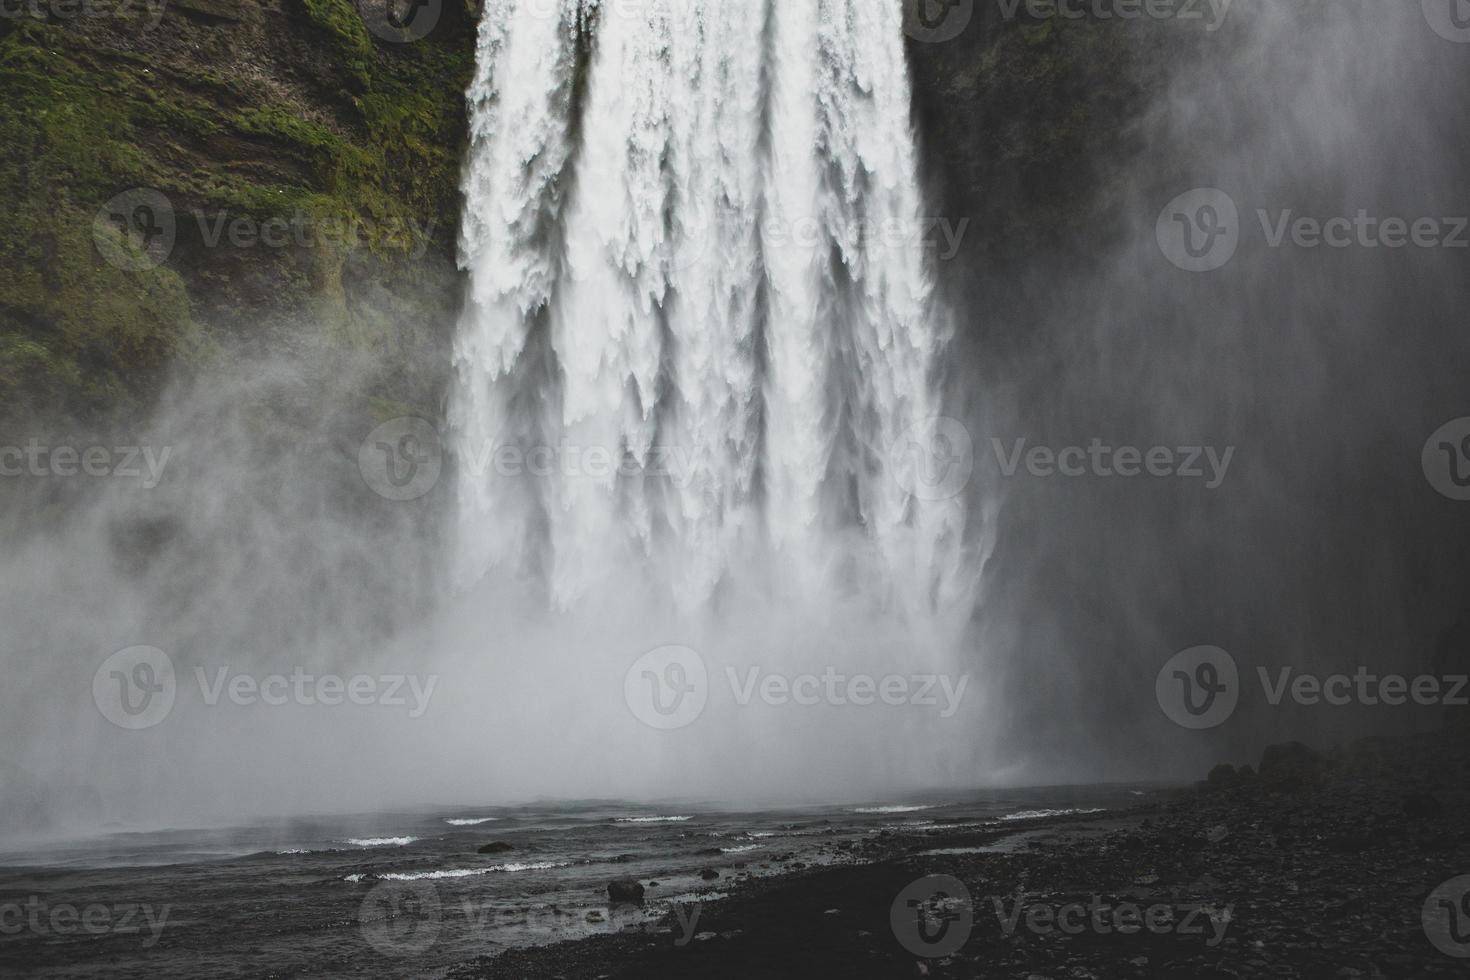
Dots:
{"x": 625, "y": 890}
{"x": 1222, "y": 775}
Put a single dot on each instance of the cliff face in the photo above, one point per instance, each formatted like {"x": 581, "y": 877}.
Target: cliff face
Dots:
{"x": 205, "y": 178}
{"x": 288, "y": 180}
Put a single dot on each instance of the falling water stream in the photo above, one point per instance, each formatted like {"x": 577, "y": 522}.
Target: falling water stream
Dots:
{"x": 701, "y": 328}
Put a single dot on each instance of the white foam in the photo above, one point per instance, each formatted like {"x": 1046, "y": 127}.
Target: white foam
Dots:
{"x": 1042, "y": 814}
{"x": 891, "y": 809}
{"x": 468, "y": 821}
{"x": 651, "y": 819}
{"x": 381, "y": 841}
{"x": 458, "y": 872}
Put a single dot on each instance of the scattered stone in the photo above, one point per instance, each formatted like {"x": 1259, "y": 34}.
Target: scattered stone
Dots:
{"x": 625, "y": 890}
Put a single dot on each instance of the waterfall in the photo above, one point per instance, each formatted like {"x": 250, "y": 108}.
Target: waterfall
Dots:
{"x": 702, "y": 335}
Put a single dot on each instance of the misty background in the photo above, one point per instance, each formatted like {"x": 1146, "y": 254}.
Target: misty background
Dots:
{"x": 1325, "y": 548}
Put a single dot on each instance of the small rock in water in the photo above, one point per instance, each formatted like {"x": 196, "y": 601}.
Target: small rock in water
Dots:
{"x": 625, "y": 890}
{"x": 498, "y": 847}
{"x": 709, "y": 874}
{"x": 1217, "y": 833}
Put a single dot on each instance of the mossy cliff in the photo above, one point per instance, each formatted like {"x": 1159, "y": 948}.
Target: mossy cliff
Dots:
{"x": 270, "y": 126}
{"x": 310, "y": 169}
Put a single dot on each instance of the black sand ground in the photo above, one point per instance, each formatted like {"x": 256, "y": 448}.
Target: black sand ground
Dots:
{"x": 1318, "y": 866}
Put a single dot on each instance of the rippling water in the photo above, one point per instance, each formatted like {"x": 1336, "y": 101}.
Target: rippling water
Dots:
{"x": 408, "y": 894}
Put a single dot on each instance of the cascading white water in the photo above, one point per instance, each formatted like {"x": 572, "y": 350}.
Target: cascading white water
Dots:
{"x": 701, "y": 315}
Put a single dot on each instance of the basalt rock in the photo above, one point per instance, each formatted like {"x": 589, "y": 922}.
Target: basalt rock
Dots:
{"x": 625, "y": 890}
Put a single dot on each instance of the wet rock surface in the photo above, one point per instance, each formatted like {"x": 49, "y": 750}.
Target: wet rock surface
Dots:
{"x": 1324, "y": 874}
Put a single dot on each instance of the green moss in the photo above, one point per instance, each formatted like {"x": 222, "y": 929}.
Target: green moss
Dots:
{"x": 369, "y": 136}
{"x": 339, "y": 20}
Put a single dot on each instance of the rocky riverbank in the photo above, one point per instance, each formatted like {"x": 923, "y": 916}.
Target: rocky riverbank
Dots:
{"x": 1309, "y": 865}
